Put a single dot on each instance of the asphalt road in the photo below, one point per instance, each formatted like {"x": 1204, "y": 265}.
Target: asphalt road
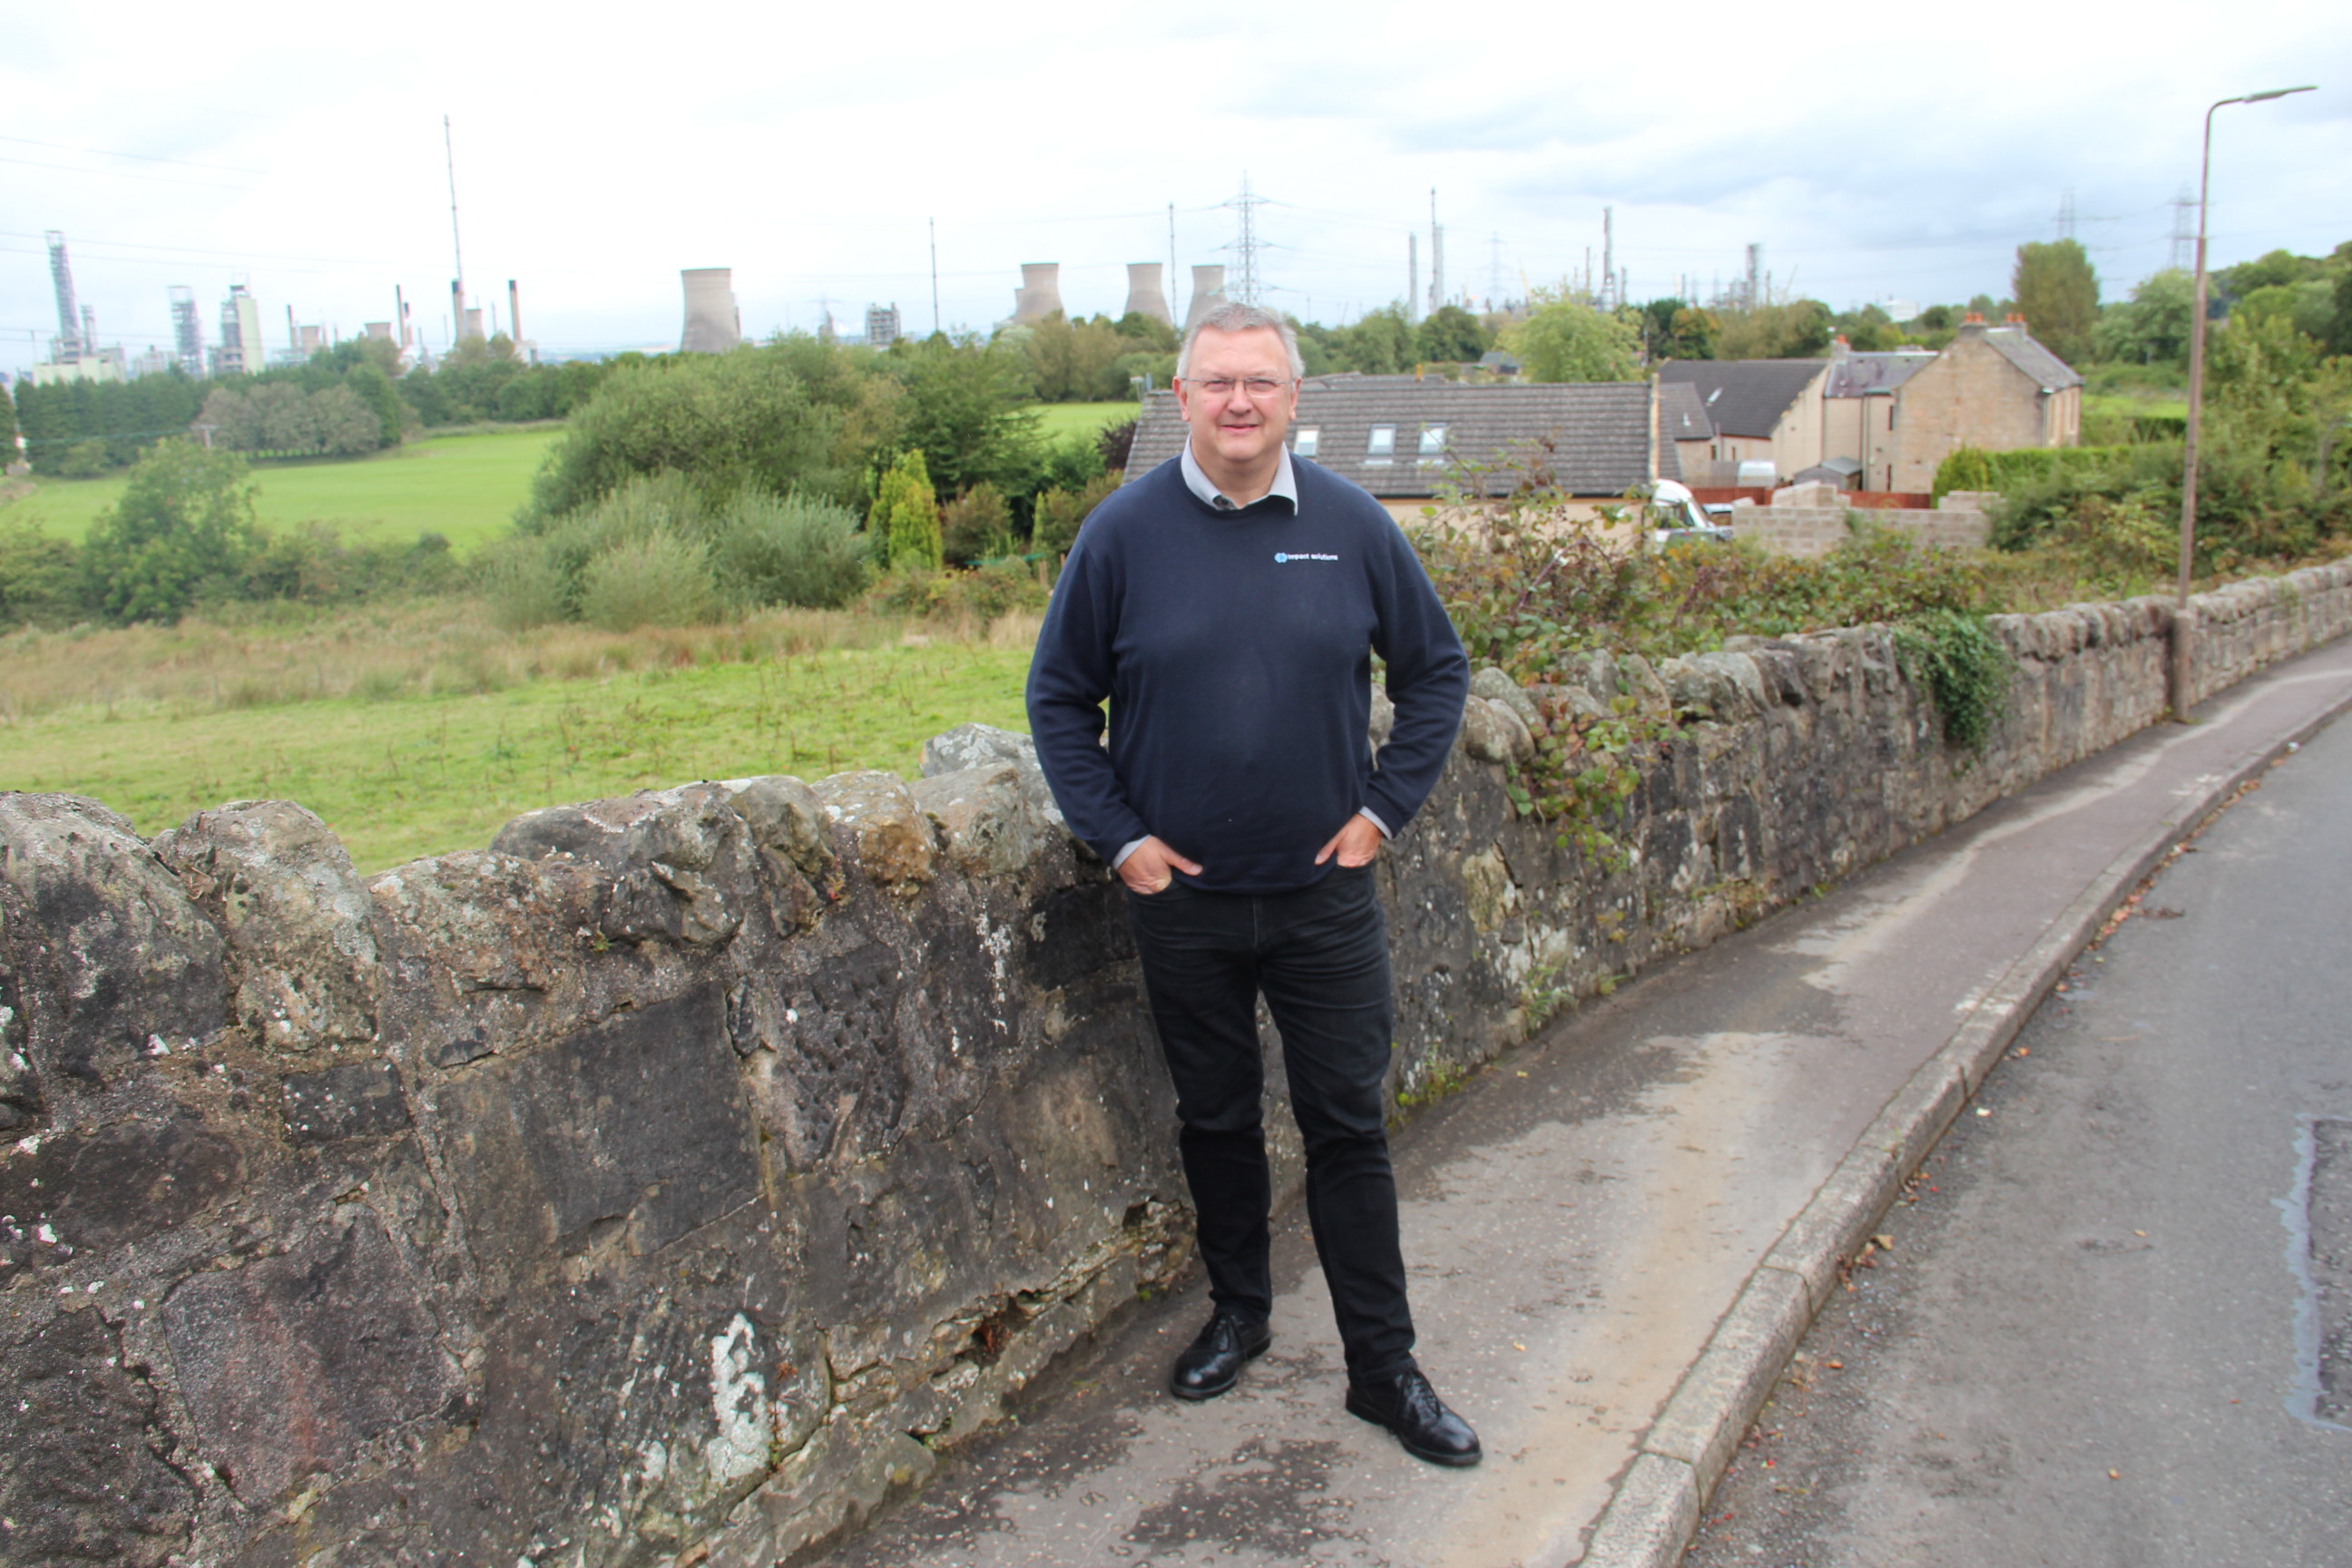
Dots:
{"x": 2115, "y": 1322}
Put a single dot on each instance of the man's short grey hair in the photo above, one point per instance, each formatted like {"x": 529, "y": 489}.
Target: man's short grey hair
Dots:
{"x": 1234, "y": 316}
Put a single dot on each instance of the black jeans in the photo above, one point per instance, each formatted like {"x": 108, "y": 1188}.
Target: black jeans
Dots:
{"x": 1320, "y": 957}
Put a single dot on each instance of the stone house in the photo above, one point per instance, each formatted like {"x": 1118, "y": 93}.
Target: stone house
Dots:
{"x": 1759, "y": 410}
{"x": 1859, "y": 413}
{"x": 1992, "y": 387}
{"x": 1411, "y": 441}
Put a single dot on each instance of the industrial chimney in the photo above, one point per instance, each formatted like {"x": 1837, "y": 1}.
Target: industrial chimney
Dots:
{"x": 713, "y": 325}
{"x": 1040, "y": 294}
{"x": 1145, "y": 297}
{"x": 1208, "y": 293}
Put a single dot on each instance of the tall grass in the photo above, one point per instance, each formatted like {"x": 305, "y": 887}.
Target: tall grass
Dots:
{"x": 419, "y": 649}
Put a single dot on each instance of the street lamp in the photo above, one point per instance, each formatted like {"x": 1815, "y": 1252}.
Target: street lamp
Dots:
{"x": 2180, "y": 625}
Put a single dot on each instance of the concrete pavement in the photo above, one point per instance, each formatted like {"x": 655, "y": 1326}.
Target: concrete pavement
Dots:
{"x": 1619, "y": 1231}
{"x": 2114, "y": 1325}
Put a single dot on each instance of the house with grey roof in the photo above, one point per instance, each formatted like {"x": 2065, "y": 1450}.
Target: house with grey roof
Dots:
{"x": 1995, "y": 388}
{"x": 1760, "y": 410}
{"x": 1858, "y": 415}
{"x": 1411, "y": 441}
{"x": 1686, "y": 435}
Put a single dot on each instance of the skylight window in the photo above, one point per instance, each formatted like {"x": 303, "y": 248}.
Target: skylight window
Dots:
{"x": 1381, "y": 449}
{"x": 1304, "y": 445}
{"x": 1433, "y": 440}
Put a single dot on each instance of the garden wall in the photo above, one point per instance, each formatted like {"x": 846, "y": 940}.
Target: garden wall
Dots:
{"x": 683, "y": 1173}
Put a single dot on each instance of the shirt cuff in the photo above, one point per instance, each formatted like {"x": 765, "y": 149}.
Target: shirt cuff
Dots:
{"x": 1135, "y": 843}
{"x": 1367, "y": 813}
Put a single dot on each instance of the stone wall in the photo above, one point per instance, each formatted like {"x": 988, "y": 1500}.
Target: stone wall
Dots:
{"x": 682, "y": 1173}
{"x": 1814, "y": 519}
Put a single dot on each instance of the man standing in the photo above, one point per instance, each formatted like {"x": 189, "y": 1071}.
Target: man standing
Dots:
{"x": 1228, "y": 605}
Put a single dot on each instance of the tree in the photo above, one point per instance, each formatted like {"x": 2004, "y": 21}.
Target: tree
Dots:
{"x": 342, "y": 424}
{"x": 1798, "y": 330}
{"x": 8, "y": 453}
{"x": 2152, "y": 328}
{"x": 2058, "y": 295}
{"x": 1450, "y": 335}
{"x": 1694, "y": 332}
{"x": 966, "y": 407}
{"x": 1565, "y": 339}
{"x": 724, "y": 421}
{"x": 373, "y": 387}
{"x": 185, "y": 525}
{"x": 907, "y": 513}
{"x": 1377, "y": 342}
{"x": 2340, "y": 329}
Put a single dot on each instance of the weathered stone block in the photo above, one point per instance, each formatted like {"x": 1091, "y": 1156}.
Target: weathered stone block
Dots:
{"x": 891, "y": 836}
{"x": 786, "y": 817}
{"x": 986, "y": 824}
{"x": 1495, "y": 685}
{"x": 292, "y": 1363}
{"x": 679, "y": 859}
{"x": 353, "y": 1099}
{"x": 90, "y": 1474}
{"x": 97, "y": 1188}
{"x": 105, "y": 952}
{"x": 637, "y": 1122}
{"x": 300, "y": 954}
{"x": 1493, "y": 734}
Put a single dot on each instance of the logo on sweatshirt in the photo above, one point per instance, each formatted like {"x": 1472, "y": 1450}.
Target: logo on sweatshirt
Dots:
{"x": 1284, "y": 558}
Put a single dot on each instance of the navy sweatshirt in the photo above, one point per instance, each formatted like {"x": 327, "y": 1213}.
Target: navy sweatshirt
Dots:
{"x": 1235, "y": 648}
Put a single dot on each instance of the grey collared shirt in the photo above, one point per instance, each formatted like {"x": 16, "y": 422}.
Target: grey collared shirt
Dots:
{"x": 1196, "y": 480}
{"x": 1285, "y": 485}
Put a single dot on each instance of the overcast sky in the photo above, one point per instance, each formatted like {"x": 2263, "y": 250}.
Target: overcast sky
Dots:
{"x": 1876, "y": 152}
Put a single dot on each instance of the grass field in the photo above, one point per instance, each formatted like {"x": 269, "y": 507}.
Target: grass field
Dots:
{"x": 1059, "y": 420}
{"x": 423, "y": 771}
{"x": 465, "y": 488}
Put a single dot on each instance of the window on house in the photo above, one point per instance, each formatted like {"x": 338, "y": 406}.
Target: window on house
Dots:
{"x": 1433, "y": 440}
{"x": 1305, "y": 445}
{"x": 1380, "y": 448}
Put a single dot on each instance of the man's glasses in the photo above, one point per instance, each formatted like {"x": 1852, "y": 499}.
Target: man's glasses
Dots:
{"x": 1259, "y": 387}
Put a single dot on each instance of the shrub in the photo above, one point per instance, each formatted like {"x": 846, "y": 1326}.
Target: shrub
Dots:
{"x": 974, "y": 598}
{"x": 663, "y": 579}
{"x": 723, "y": 421}
{"x": 1964, "y": 469}
{"x": 40, "y": 578}
{"x": 1060, "y": 514}
{"x": 794, "y": 551}
{"x": 907, "y": 514}
{"x": 83, "y": 460}
{"x": 183, "y": 530}
{"x": 1965, "y": 667}
{"x": 520, "y": 581}
{"x": 976, "y": 525}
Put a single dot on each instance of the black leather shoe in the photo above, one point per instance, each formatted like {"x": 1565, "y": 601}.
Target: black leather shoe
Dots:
{"x": 1409, "y": 1408}
{"x": 1212, "y": 1362}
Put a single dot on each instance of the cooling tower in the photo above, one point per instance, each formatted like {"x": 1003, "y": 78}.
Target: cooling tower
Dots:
{"x": 1208, "y": 293}
{"x": 1040, "y": 294}
{"x": 712, "y": 323}
{"x": 1145, "y": 297}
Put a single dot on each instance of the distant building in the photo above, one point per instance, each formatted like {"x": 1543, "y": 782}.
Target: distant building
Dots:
{"x": 881, "y": 325}
{"x": 1995, "y": 388}
{"x": 240, "y": 350}
{"x": 1858, "y": 414}
{"x": 1758, "y": 410}
{"x": 713, "y": 324}
{"x": 104, "y": 365}
{"x": 1870, "y": 421}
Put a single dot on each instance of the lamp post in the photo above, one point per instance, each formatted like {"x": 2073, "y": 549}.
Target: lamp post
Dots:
{"x": 2183, "y": 627}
